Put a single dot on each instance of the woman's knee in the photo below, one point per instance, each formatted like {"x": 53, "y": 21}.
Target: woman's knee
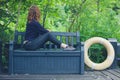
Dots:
{"x": 48, "y": 34}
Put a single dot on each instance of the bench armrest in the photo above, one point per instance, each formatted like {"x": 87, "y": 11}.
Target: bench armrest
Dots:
{"x": 80, "y": 46}
{"x": 11, "y": 45}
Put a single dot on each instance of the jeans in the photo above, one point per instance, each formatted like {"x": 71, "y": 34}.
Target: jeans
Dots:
{"x": 40, "y": 41}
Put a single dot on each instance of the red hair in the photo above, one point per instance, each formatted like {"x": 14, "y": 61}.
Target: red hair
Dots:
{"x": 33, "y": 14}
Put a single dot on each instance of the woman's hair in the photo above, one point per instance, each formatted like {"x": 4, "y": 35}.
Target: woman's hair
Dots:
{"x": 33, "y": 13}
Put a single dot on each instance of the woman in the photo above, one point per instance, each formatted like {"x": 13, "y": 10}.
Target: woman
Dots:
{"x": 36, "y": 35}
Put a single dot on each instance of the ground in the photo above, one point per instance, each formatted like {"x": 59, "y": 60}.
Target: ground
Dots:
{"x": 111, "y": 74}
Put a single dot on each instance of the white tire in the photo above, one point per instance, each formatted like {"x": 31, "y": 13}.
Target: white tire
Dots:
{"x": 110, "y": 53}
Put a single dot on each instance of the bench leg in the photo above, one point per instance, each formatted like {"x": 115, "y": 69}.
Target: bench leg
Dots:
{"x": 82, "y": 60}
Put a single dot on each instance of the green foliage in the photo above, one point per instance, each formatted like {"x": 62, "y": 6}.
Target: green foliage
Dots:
{"x": 7, "y": 17}
{"x": 97, "y": 53}
{"x": 89, "y": 17}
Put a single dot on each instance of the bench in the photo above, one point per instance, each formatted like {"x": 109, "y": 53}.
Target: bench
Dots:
{"x": 0, "y": 56}
{"x": 116, "y": 47}
{"x": 49, "y": 59}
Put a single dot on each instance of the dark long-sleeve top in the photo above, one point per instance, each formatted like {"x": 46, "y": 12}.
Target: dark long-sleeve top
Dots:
{"x": 33, "y": 30}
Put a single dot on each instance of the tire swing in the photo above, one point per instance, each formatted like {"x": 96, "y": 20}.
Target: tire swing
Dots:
{"x": 110, "y": 53}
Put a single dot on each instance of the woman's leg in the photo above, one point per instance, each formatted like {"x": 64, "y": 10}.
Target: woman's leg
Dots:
{"x": 41, "y": 40}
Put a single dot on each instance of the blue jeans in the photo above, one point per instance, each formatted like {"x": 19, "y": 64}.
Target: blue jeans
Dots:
{"x": 40, "y": 41}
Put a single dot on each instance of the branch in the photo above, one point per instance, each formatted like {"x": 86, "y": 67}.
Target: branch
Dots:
{"x": 98, "y": 4}
{"x": 45, "y": 13}
{"x": 77, "y": 14}
{"x": 18, "y": 14}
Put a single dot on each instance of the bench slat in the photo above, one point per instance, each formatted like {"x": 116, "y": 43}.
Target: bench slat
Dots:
{"x": 64, "y": 33}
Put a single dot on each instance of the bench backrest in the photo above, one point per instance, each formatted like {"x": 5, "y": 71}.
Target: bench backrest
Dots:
{"x": 70, "y": 38}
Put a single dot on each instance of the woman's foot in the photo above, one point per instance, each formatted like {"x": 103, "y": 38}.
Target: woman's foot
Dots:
{"x": 69, "y": 48}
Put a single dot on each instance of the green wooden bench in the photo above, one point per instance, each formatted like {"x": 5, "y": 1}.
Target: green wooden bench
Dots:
{"x": 49, "y": 59}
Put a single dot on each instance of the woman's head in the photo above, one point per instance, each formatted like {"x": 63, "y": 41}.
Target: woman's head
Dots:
{"x": 33, "y": 13}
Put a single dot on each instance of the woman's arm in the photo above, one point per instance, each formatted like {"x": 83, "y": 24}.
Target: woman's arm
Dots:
{"x": 40, "y": 28}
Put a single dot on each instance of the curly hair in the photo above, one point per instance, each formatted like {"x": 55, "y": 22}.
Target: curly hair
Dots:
{"x": 33, "y": 13}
